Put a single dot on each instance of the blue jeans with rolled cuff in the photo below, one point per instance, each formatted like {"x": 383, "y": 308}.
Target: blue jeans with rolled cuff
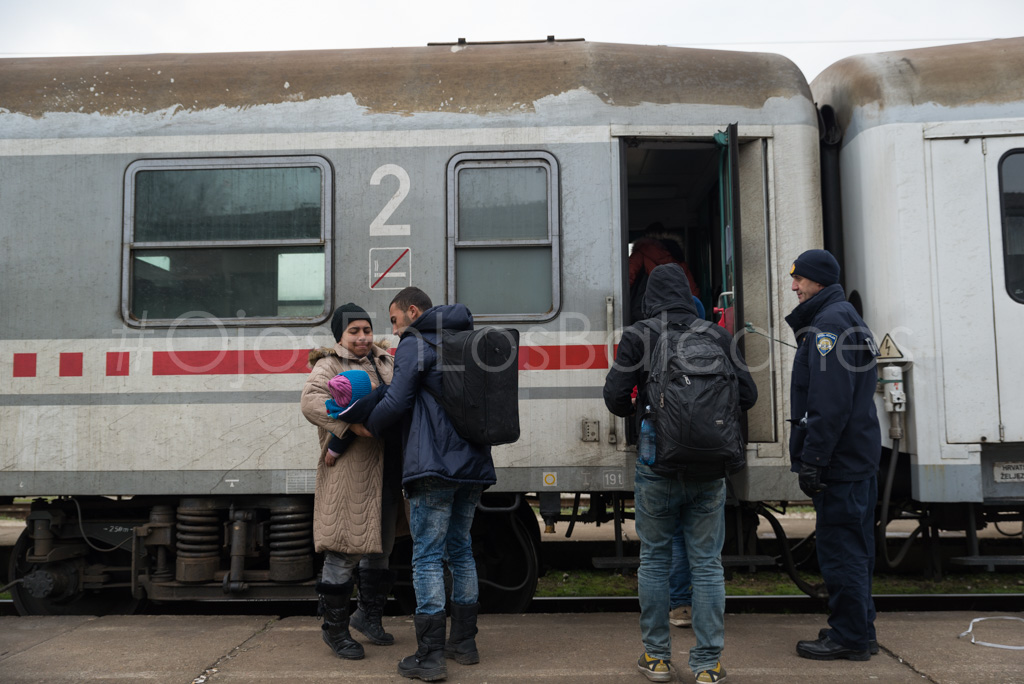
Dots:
{"x": 440, "y": 517}
{"x": 661, "y": 504}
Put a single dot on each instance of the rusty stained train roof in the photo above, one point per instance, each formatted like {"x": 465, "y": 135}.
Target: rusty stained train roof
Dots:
{"x": 949, "y": 76}
{"x": 477, "y": 79}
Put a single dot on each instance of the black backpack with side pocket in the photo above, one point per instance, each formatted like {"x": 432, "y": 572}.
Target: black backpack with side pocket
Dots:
{"x": 480, "y": 383}
{"x": 693, "y": 392}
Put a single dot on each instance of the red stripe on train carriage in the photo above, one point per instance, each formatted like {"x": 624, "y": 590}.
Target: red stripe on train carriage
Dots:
{"x": 24, "y": 365}
{"x": 70, "y": 364}
{"x": 251, "y": 362}
{"x": 225, "y": 362}
{"x": 563, "y": 357}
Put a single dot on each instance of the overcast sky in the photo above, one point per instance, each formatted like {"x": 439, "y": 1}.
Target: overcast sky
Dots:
{"x": 813, "y": 34}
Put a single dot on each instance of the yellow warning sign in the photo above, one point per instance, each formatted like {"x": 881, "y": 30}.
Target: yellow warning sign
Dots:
{"x": 888, "y": 349}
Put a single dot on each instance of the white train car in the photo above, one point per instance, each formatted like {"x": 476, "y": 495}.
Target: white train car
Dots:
{"x": 931, "y": 168}
{"x": 177, "y": 230}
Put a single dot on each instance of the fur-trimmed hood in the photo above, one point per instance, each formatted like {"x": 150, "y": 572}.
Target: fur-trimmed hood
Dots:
{"x": 337, "y": 350}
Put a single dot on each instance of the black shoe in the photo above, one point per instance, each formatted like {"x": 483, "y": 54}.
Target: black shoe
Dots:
{"x": 872, "y": 643}
{"x": 374, "y": 586}
{"x": 461, "y": 644}
{"x": 334, "y": 606}
{"x": 427, "y": 663}
{"x": 826, "y": 649}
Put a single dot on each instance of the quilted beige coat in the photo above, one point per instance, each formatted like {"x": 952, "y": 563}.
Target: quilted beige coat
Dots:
{"x": 346, "y": 506}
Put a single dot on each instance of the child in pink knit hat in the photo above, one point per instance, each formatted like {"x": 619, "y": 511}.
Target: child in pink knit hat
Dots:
{"x": 345, "y": 389}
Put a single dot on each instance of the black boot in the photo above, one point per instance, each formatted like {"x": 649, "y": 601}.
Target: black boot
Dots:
{"x": 374, "y": 586}
{"x": 461, "y": 643}
{"x": 427, "y": 663}
{"x": 334, "y": 600}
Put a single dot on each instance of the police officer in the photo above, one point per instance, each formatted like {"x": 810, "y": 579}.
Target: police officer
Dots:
{"x": 835, "y": 446}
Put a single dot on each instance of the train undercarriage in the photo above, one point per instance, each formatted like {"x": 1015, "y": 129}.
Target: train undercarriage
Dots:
{"x": 100, "y": 555}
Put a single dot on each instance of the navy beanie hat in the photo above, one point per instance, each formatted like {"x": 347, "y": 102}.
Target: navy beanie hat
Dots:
{"x": 817, "y": 265}
{"x": 345, "y": 314}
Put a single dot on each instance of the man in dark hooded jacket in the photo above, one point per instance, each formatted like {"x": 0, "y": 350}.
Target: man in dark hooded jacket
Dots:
{"x": 443, "y": 475}
{"x": 663, "y": 496}
{"x": 835, "y": 446}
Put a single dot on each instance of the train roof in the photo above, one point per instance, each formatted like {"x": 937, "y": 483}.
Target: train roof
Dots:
{"x": 472, "y": 78}
{"x": 966, "y": 81}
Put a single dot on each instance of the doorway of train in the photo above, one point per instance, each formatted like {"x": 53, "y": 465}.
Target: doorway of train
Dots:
{"x": 702, "y": 202}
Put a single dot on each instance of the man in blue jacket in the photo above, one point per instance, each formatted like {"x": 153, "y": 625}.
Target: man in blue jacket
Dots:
{"x": 443, "y": 475}
{"x": 835, "y": 445}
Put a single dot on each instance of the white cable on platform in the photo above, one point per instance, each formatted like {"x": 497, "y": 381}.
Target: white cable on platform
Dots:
{"x": 985, "y": 643}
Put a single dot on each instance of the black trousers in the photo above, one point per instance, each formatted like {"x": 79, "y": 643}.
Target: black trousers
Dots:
{"x": 845, "y": 535}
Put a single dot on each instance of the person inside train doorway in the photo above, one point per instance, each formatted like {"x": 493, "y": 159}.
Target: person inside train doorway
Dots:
{"x": 658, "y": 246}
{"x": 443, "y": 475}
{"x": 670, "y": 485}
{"x": 358, "y": 495}
{"x": 835, "y": 446}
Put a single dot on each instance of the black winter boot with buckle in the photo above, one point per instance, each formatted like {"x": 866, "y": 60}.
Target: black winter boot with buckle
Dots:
{"x": 334, "y": 606}
{"x": 461, "y": 645}
{"x": 427, "y": 663}
{"x": 374, "y": 586}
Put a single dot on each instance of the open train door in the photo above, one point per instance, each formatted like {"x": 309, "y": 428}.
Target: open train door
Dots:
{"x": 729, "y": 309}
{"x": 691, "y": 191}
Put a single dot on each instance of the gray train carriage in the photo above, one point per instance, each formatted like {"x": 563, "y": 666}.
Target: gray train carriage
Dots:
{"x": 931, "y": 162}
{"x": 178, "y": 228}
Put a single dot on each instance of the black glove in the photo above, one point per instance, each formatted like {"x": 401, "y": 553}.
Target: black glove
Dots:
{"x": 810, "y": 480}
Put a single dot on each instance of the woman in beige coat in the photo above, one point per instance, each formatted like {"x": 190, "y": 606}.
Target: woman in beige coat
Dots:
{"x": 358, "y": 495}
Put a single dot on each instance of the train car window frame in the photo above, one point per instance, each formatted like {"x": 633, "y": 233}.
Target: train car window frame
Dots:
{"x": 299, "y": 245}
{"x": 1013, "y": 235}
{"x": 551, "y": 241}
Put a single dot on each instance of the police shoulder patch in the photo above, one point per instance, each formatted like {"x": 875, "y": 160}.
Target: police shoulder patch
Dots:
{"x": 825, "y": 342}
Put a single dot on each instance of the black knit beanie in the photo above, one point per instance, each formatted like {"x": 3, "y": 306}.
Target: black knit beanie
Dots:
{"x": 817, "y": 265}
{"x": 345, "y": 314}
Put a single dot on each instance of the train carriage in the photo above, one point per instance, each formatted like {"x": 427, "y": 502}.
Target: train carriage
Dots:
{"x": 931, "y": 170}
{"x": 177, "y": 230}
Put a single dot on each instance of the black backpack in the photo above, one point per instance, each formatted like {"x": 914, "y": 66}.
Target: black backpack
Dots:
{"x": 693, "y": 393}
{"x": 480, "y": 381}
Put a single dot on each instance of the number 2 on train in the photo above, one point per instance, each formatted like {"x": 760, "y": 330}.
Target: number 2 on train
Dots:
{"x": 379, "y": 225}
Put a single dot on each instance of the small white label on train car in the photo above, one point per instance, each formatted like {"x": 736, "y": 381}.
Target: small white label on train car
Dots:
{"x": 390, "y": 268}
{"x": 1009, "y": 472}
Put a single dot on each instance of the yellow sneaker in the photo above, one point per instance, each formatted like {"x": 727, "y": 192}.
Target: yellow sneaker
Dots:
{"x": 712, "y": 676}
{"x": 655, "y": 669}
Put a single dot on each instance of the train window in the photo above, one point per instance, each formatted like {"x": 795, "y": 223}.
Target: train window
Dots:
{"x": 503, "y": 234}
{"x": 1011, "y": 185}
{"x": 227, "y": 240}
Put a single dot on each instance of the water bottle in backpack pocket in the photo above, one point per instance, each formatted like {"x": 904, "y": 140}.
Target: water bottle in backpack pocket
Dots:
{"x": 646, "y": 444}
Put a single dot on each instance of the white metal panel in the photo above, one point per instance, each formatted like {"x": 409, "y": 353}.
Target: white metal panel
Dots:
{"x": 963, "y": 259}
{"x": 1009, "y": 314}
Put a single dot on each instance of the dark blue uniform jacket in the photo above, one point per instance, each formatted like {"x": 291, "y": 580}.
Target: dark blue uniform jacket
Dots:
{"x": 833, "y": 384}
{"x": 431, "y": 446}
{"x": 668, "y": 298}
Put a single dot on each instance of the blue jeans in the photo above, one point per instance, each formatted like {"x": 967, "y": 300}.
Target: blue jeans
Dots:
{"x": 440, "y": 517}
{"x": 660, "y": 503}
{"x": 680, "y": 581}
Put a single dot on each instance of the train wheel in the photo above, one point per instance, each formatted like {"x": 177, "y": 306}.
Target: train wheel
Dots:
{"x": 52, "y": 588}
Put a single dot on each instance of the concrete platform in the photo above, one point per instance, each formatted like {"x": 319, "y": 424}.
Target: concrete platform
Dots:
{"x": 562, "y": 649}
